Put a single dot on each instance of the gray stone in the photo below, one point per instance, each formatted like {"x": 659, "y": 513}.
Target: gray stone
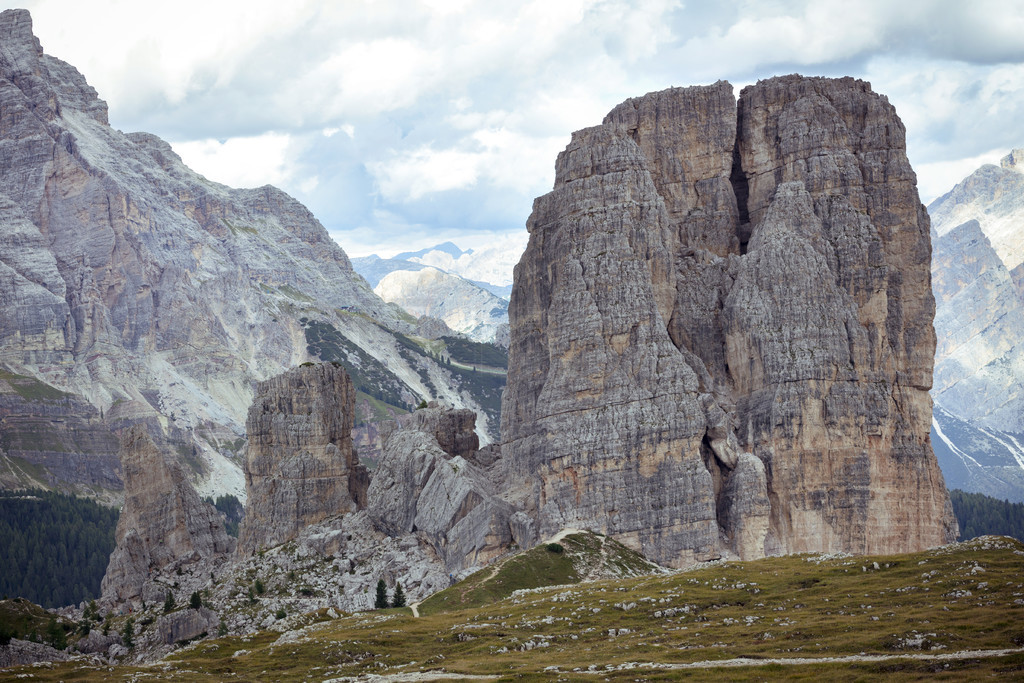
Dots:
{"x": 186, "y": 624}
{"x": 163, "y": 525}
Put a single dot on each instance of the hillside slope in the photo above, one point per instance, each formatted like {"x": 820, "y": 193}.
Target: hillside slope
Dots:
{"x": 955, "y": 610}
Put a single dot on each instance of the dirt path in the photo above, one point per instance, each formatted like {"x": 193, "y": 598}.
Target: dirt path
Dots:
{"x": 800, "y": 661}
{"x": 562, "y": 534}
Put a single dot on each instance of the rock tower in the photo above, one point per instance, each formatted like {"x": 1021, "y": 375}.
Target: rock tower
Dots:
{"x": 721, "y": 330}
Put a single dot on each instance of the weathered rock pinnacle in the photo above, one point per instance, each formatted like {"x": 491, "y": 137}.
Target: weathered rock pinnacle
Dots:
{"x": 721, "y": 329}
{"x": 300, "y": 467}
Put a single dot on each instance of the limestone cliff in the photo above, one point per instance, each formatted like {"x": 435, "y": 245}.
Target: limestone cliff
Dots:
{"x": 721, "y": 329}
{"x": 49, "y": 438}
{"x": 978, "y": 280}
{"x": 163, "y": 526}
{"x": 300, "y": 466}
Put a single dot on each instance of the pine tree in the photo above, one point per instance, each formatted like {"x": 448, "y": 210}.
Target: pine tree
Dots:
{"x": 399, "y": 599}
{"x": 381, "y": 602}
{"x": 196, "y": 601}
{"x": 55, "y": 634}
{"x": 128, "y": 633}
{"x": 169, "y": 603}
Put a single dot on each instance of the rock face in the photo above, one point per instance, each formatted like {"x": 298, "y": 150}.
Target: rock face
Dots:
{"x": 300, "y": 466}
{"x": 164, "y": 525}
{"x": 186, "y": 624}
{"x": 428, "y": 484}
{"x": 979, "y": 360}
{"x": 49, "y": 438}
{"x": 721, "y": 336}
{"x": 148, "y": 291}
{"x": 994, "y": 196}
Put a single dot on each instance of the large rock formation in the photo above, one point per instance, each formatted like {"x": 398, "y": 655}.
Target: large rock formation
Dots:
{"x": 300, "y": 466}
{"x": 721, "y": 329}
{"x": 163, "y": 526}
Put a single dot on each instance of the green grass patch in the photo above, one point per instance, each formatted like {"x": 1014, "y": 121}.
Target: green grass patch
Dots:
{"x": 293, "y": 293}
{"x": 31, "y": 389}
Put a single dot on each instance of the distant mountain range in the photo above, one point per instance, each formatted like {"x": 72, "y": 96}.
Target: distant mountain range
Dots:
{"x": 467, "y": 289}
{"x": 978, "y": 282}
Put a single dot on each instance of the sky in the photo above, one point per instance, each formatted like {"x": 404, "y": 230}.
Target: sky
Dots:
{"x": 402, "y": 124}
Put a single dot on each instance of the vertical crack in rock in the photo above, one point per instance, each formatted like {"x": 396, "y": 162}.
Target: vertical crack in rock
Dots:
{"x": 721, "y": 337}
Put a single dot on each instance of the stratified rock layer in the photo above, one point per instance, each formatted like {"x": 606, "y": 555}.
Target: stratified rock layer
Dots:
{"x": 300, "y": 467}
{"x": 721, "y": 330}
{"x": 163, "y": 525}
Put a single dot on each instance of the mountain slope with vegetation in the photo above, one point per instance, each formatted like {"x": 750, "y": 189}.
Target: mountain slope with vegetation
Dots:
{"x": 955, "y": 610}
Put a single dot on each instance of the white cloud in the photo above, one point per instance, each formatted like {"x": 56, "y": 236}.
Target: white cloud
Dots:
{"x": 241, "y": 162}
{"x": 500, "y": 157}
{"x": 462, "y": 105}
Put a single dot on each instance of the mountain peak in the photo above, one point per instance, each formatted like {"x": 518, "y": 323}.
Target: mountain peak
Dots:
{"x": 449, "y": 248}
{"x": 1014, "y": 160}
{"x": 16, "y": 31}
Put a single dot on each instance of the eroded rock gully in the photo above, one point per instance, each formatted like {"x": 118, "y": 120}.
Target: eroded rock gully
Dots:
{"x": 721, "y": 330}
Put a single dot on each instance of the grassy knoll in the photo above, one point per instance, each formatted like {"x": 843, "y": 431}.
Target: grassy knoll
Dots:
{"x": 906, "y": 611}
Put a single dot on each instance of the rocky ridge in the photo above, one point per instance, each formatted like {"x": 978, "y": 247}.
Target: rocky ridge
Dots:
{"x": 730, "y": 297}
{"x": 465, "y": 307}
{"x": 430, "y": 512}
{"x": 152, "y": 293}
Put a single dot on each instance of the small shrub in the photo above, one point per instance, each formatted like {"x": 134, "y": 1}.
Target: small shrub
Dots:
{"x": 281, "y": 614}
{"x": 555, "y": 548}
{"x": 260, "y": 588}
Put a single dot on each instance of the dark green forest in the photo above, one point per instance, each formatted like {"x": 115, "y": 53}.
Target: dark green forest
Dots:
{"x": 54, "y": 547}
{"x": 978, "y": 515}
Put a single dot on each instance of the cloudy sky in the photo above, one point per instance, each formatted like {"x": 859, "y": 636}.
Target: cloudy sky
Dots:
{"x": 405, "y": 123}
